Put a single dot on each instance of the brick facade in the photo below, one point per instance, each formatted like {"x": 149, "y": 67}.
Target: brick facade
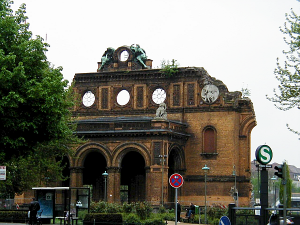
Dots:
{"x": 213, "y": 131}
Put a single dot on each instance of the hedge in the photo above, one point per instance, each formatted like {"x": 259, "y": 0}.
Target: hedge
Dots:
{"x": 7, "y": 215}
{"x": 103, "y": 218}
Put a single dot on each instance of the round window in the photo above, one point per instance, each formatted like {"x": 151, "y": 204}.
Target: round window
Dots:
{"x": 159, "y": 95}
{"x": 124, "y": 56}
{"x": 88, "y": 99}
{"x": 123, "y": 97}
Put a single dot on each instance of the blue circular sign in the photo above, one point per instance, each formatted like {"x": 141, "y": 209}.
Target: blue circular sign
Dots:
{"x": 176, "y": 180}
{"x": 224, "y": 221}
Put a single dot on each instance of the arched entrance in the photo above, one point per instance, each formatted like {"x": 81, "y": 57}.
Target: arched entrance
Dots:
{"x": 133, "y": 178}
{"x": 94, "y": 165}
{"x": 175, "y": 166}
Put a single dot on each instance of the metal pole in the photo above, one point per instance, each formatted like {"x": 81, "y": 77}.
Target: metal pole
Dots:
{"x": 175, "y": 206}
{"x": 205, "y": 201}
{"x": 162, "y": 181}
{"x": 284, "y": 193}
{"x": 105, "y": 194}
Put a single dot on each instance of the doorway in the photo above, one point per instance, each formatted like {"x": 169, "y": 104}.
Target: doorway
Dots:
{"x": 133, "y": 178}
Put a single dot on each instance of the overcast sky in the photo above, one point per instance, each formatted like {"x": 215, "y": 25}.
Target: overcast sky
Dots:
{"x": 236, "y": 41}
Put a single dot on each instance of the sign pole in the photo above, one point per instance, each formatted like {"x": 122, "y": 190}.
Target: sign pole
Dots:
{"x": 176, "y": 181}
{"x": 176, "y": 206}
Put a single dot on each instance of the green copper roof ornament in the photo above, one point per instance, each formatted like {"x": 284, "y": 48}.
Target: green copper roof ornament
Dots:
{"x": 139, "y": 54}
{"x": 107, "y": 57}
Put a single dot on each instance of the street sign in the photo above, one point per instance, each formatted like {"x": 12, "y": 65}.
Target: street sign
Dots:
{"x": 224, "y": 221}
{"x": 2, "y": 172}
{"x": 176, "y": 180}
{"x": 264, "y": 154}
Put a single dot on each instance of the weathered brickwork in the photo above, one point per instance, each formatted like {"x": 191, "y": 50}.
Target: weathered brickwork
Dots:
{"x": 201, "y": 113}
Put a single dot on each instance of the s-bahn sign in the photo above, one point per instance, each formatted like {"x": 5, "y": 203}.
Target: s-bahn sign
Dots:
{"x": 263, "y": 154}
{"x": 176, "y": 180}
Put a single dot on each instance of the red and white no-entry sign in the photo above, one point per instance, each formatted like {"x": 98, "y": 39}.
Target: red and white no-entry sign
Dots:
{"x": 176, "y": 180}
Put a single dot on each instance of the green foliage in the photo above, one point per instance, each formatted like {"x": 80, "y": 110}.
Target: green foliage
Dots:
{"x": 132, "y": 218}
{"x": 16, "y": 215}
{"x": 288, "y": 189}
{"x": 245, "y": 92}
{"x": 127, "y": 208}
{"x": 155, "y": 221}
{"x": 143, "y": 210}
{"x": 103, "y": 217}
{"x": 169, "y": 69}
{"x": 288, "y": 74}
{"x": 216, "y": 212}
{"x": 162, "y": 209}
{"x": 35, "y": 120}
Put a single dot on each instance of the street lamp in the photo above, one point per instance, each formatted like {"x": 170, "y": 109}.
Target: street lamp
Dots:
{"x": 105, "y": 185}
{"x": 205, "y": 169}
{"x": 235, "y": 194}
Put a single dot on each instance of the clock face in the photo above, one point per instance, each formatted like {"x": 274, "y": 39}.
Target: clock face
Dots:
{"x": 210, "y": 93}
{"x": 88, "y": 99}
{"x": 159, "y": 95}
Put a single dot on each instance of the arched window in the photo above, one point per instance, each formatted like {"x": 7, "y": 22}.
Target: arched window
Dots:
{"x": 209, "y": 140}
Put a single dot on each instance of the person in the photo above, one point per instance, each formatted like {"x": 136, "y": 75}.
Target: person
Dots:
{"x": 178, "y": 211}
{"x": 34, "y": 206}
{"x": 191, "y": 210}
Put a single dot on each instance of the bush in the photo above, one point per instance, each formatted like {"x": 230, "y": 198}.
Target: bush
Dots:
{"x": 162, "y": 209}
{"x": 143, "y": 210}
{"x": 127, "y": 208}
{"x": 13, "y": 215}
{"x": 131, "y": 218}
{"x": 155, "y": 221}
{"x": 112, "y": 218}
{"x": 98, "y": 207}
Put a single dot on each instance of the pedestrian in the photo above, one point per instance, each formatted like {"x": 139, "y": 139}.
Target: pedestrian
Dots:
{"x": 191, "y": 210}
{"x": 34, "y": 206}
{"x": 178, "y": 211}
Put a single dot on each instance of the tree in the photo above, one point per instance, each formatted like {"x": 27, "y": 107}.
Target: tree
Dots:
{"x": 288, "y": 184}
{"x": 35, "y": 120}
{"x": 289, "y": 74}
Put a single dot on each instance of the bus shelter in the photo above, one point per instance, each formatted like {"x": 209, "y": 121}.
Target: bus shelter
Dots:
{"x": 62, "y": 202}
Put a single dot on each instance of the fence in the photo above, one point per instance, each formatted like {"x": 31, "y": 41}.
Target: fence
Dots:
{"x": 251, "y": 215}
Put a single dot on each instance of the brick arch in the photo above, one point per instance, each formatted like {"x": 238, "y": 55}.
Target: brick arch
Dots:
{"x": 247, "y": 125}
{"x": 84, "y": 150}
{"x": 121, "y": 150}
{"x": 180, "y": 151}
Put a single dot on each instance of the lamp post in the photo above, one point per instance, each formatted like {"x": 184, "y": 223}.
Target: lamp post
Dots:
{"x": 105, "y": 185}
{"x": 205, "y": 169}
{"x": 235, "y": 194}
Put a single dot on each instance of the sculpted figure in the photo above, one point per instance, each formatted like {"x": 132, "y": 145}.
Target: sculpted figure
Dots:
{"x": 139, "y": 54}
{"x": 161, "y": 112}
{"x": 107, "y": 57}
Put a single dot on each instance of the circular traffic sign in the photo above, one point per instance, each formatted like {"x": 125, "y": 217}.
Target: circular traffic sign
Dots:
{"x": 176, "y": 180}
{"x": 224, "y": 221}
{"x": 264, "y": 154}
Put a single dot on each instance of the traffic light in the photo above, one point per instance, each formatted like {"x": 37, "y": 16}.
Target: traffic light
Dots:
{"x": 279, "y": 172}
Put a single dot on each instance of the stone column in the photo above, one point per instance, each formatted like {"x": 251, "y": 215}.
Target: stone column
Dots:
{"x": 76, "y": 176}
{"x": 113, "y": 184}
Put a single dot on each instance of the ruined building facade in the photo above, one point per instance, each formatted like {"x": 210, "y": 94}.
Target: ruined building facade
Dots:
{"x": 141, "y": 125}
